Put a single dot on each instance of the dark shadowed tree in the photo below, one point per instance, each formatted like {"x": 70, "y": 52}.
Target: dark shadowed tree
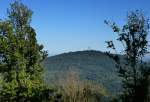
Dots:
{"x": 135, "y": 73}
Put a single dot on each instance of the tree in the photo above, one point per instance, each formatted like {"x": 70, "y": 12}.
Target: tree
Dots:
{"x": 20, "y": 57}
{"x": 135, "y": 73}
{"x": 74, "y": 89}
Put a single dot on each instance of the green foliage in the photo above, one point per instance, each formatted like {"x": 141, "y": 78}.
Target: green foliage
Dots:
{"x": 134, "y": 72}
{"x": 72, "y": 89}
{"x": 91, "y": 65}
{"x": 20, "y": 57}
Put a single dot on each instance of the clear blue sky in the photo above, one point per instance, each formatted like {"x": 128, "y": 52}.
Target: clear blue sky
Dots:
{"x": 71, "y": 25}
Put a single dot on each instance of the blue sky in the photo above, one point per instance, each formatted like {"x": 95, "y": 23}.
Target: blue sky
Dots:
{"x": 71, "y": 25}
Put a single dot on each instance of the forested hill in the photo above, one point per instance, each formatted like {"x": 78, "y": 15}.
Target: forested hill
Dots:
{"x": 91, "y": 65}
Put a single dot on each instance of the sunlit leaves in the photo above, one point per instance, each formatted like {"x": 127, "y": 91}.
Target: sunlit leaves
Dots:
{"x": 20, "y": 57}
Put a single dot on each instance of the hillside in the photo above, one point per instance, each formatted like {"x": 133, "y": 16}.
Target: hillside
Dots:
{"x": 91, "y": 65}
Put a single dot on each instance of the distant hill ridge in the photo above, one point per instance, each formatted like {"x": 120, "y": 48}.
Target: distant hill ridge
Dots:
{"x": 90, "y": 64}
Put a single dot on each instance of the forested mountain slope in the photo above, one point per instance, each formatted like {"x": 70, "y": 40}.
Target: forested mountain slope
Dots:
{"x": 91, "y": 65}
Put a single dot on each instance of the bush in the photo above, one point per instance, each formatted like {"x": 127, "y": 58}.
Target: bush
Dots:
{"x": 72, "y": 89}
